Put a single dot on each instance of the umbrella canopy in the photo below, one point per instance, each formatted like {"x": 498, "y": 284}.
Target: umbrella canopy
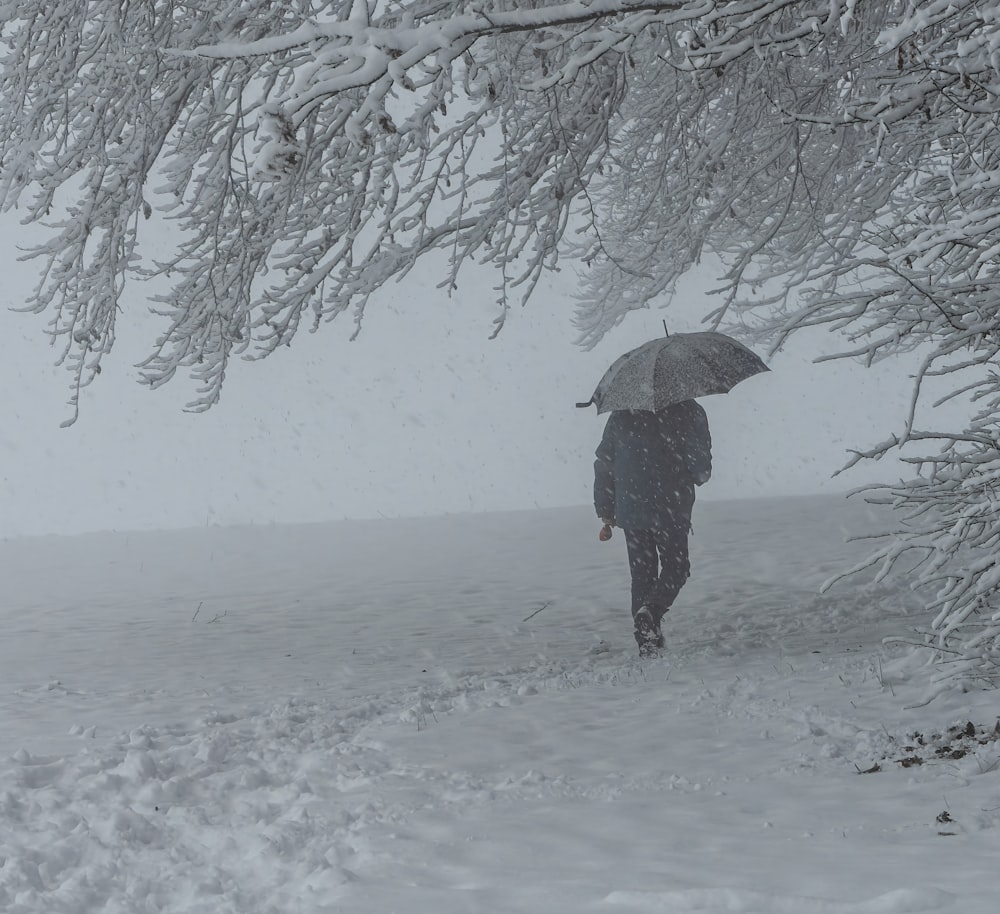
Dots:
{"x": 674, "y": 368}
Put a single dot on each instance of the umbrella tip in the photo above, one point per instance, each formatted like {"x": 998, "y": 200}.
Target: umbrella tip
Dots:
{"x": 666, "y": 332}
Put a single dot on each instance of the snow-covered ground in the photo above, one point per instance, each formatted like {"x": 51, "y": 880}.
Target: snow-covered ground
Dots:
{"x": 447, "y": 716}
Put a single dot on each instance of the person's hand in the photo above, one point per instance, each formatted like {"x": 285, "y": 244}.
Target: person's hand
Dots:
{"x": 605, "y": 533}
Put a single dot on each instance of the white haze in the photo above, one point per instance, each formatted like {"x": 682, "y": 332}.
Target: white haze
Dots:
{"x": 422, "y": 414}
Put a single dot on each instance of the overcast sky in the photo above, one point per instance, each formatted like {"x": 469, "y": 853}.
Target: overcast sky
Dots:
{"x": 423, "y": 414}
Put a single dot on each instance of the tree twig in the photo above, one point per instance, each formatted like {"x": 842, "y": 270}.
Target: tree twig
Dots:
{"x": 537, "y": 611}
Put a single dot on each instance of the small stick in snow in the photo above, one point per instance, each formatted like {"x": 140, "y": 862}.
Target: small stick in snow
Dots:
{"x": 537, "y": 611}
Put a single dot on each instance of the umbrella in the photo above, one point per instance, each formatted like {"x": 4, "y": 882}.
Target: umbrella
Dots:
{"x": 674, "y": 368}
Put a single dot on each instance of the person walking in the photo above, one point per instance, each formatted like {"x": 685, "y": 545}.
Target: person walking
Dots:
{"x": 646, "y": 469}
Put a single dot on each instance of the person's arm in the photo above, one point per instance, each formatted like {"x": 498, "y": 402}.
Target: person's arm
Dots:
{"x": 604, "y": 475}
{"x": 699, "y": 449}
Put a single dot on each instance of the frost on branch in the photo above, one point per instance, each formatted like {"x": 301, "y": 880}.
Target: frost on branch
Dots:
{"x": 311, "y": 152}
{"x": 279, "y": 150}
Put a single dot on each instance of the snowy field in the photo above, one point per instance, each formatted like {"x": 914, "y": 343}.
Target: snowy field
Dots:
{"x": 447, "y": 716}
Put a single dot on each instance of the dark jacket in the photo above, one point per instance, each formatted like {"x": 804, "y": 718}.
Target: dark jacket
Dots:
{"x": 649, "y": 463}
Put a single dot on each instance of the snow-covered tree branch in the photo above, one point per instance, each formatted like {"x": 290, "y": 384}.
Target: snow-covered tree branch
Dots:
{"x": 310, "y": 152}
{"x": 840, "y": 157}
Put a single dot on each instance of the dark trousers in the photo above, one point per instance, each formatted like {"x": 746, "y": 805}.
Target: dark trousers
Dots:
{"x": 658, "y": 560}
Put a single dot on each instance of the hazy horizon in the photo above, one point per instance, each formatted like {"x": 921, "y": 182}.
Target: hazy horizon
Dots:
{"x": 422, "y": 415}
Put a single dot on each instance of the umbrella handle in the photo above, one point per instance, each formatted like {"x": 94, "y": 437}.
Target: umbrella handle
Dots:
{"x": 590, "y": 402}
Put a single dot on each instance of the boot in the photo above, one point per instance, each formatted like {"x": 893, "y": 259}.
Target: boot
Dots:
{"x": 647, "y": 632}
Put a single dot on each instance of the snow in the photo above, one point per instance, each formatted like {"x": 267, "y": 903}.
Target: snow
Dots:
{"x": 448, "y": 715}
